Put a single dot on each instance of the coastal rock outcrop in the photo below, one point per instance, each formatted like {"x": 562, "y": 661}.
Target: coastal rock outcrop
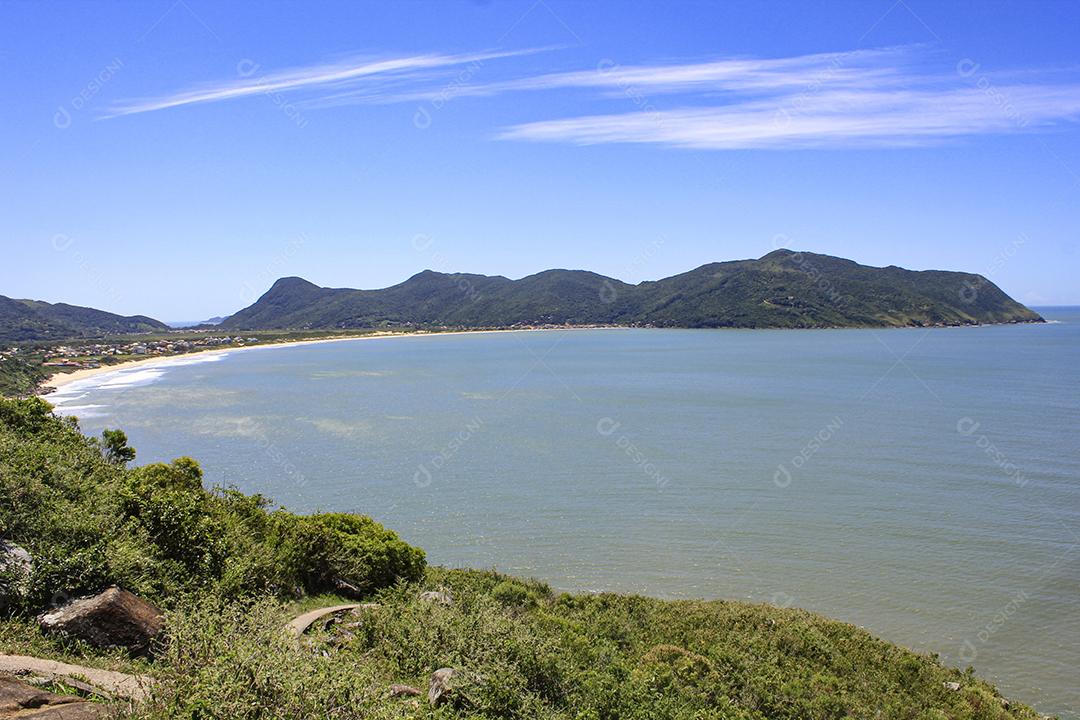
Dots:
{"x": 112, "y": 619}
{"x": 20, "y": 700}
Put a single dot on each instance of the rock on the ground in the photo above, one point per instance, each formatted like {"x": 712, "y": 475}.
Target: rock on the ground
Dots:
{"x": 437, "y": 596}
{"x": 19, "y": 700}
{"x": 404, "y": 691}
{"x": 440, "y": 687}
{"x": 108, "y": 682}
{"x": 954, "y": 686}
{"x": 112, "y": 619}
{"x": 16, "y": 564}
{"x": 15, "y": 559}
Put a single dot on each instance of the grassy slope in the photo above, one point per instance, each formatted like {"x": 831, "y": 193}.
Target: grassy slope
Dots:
{"x": 227, "y": 569}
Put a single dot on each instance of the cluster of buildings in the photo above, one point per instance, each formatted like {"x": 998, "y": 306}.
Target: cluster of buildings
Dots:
{"x": 86, "y": 356}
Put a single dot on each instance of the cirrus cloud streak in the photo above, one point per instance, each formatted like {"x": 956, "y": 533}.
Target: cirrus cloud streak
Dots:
{"x": 824, "y": 119}
{"x": 317, "y": 77}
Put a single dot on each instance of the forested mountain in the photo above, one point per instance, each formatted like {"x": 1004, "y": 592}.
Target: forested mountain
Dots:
{"x": 780, "y": 290}
{"x": 37, "y": 320}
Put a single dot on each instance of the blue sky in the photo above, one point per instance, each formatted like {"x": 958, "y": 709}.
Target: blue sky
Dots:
{"x": 173, "y": 158}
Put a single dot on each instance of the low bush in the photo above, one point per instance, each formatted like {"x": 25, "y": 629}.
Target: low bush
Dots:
{"x": 565, "y": 657}
{"x": 90, "y": 521}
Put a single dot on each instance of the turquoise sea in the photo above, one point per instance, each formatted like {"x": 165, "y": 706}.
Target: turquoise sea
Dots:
{"x": 922, "y": 483}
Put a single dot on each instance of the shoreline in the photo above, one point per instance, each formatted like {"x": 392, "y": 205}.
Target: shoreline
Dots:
{"x": 62, "y": 379}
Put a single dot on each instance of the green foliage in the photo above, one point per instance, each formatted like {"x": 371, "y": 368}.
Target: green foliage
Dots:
{"x": 782, "y": 289}
{"x": 348, "y": 553}
{"x": 19, "y": 376}
{"x": 90, "y": 522}
{"x": 116, "y": 448}
{"x": 512, "y": 593}
{"x": 565, "y": 657}
{"x": 22, "y": 320}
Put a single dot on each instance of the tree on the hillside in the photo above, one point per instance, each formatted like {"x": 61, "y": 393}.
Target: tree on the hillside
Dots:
{"x": 116, "y": 447}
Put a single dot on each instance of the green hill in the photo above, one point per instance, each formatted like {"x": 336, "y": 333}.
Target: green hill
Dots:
{"x": 37, "y": 320}
{"x": 783, "y": 289}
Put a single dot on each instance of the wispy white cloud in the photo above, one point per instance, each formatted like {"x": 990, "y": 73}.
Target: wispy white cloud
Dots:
{"x": 884, "y": 97}
{"x": 250, "y": 80}
{"x": 825, "y": 119}
{"x": 866, "y": 98}
{"x": 858, "y": 68}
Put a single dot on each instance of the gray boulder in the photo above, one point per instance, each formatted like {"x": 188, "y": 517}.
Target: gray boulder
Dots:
{"x": 112, "y": 619}
{"x": 16, "y": 564}
{"x": 440, "y": 597}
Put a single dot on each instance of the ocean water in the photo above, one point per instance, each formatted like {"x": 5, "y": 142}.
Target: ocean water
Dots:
{"x": 921, "y": 483}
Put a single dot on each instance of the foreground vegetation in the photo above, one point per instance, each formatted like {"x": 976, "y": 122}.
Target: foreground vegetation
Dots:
{"x": 230, "y": 570}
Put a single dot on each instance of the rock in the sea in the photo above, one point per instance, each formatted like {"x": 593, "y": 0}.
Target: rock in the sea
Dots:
{"x": 404, "y": 691}
{"x": 441, "y": 597}
{"x": 112, "y": 619}
{"x": 15, "y": 568}
{"x": 19, "y": 700}
{"x": 440, "y": 688}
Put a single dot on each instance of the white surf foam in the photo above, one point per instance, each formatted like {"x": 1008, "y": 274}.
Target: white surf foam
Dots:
{"x": 120, "y": 379}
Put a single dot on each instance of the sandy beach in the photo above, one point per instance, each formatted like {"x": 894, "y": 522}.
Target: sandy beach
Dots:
{"x": 61, "y": 379}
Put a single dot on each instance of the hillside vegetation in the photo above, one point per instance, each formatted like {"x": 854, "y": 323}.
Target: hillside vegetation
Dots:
{"x": 22, "y": 320}
{"x": 19, "y": 376}
{"x": 230, "y": 571}
{"x": 783, "y": 289}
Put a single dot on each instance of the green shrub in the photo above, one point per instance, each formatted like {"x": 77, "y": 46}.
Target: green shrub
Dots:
{"x": 90, "y": 522}
{"x": 348, "y": 553}
{"x": 512, "y": 593}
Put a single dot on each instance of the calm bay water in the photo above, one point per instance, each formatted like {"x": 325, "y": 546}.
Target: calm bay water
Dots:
{"x": 924, "y": 484}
